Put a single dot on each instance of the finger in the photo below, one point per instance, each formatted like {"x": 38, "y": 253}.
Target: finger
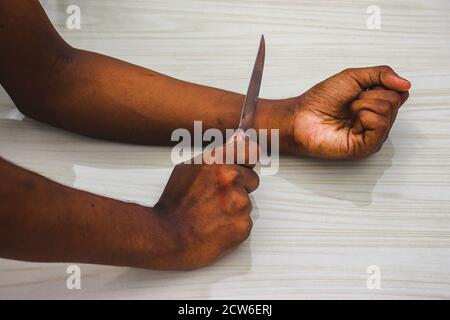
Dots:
{"x": 249, "y": 179}
{"x": 242, "y": 227}
{"x": 393, "y": 97}
{"x": 404, "y": 96}
{"x": 396, "y": 100}
{"x": 227, "y": 175}
{"x": 378, "y": 106}
{"x": 236, "y": 232}
{"x": 237, "y": 176}
{"x": 239, "y": 201}
{"x": 243, "y": 152}
{"x": 373, "y": 127}
{"x": 378, "y": 76}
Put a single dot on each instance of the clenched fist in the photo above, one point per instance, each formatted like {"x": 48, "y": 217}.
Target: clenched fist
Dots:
{"x": 208, "y": 208}
{"x": 349, "y": 115}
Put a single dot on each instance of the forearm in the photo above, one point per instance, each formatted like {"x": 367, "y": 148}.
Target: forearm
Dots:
{"x": 107, "y": 98}
{"x": 103, "y": 97}
{"x": 41, "y": 220}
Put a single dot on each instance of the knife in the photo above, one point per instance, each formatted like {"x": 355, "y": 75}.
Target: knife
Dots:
{"x": 249, "y": 108}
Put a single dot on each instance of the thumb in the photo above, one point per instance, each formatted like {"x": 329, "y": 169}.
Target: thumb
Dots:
{"x": 242, "y": 151}
{"x": 379, "y": 76}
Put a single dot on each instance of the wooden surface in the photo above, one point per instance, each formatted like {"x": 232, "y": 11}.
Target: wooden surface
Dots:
{"x": 318, "y": 225}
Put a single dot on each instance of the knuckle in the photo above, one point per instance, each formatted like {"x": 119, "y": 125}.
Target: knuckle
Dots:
{"x": 396, "y": 98}
{"x": 243, "y": 204}
{"x": 256, "y": 181}
{"x": 227, "y": 174}
{"x": 253, "y": 179}
{"x": 347, "y": 71}
{"x": 233, "y": 168}
{"x": 385, "y": 68}
{"x": 244, "y": 228}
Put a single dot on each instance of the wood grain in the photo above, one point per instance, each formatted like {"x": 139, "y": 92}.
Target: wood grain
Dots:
{"x": 318, "y": 225}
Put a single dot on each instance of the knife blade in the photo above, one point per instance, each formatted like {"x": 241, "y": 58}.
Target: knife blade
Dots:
{"x": 249, "y": 108}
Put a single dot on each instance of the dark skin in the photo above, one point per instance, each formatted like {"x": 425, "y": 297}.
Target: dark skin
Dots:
{"x": 204, "y": 211}
{"x": 349, "y": 115}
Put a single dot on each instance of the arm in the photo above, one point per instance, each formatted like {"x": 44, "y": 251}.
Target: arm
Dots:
{"x": 100, "y": 96}
{"x": 41, "y": 220}
{"x": 190, "y": 226}
{"x": 347, "y": 116}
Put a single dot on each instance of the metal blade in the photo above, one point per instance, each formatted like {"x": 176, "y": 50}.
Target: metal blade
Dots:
{"x": 249, "y": 108}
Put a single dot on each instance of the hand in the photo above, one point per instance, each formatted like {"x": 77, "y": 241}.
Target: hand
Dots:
{"x": 208, "y": 207}
{"x": 349, "y": 115}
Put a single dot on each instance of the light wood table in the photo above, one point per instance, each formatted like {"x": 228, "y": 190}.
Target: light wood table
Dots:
{"x": 318, "y": 225}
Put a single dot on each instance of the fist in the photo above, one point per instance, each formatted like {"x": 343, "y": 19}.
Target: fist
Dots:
{"x": 349, "y": 115}
{"x": 208, "y": 207}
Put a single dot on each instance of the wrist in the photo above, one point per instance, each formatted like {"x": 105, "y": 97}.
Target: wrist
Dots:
{"x": 157, "y": 246}
{"x": 279, "y": 114}
{"x": 134, "y": 236}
